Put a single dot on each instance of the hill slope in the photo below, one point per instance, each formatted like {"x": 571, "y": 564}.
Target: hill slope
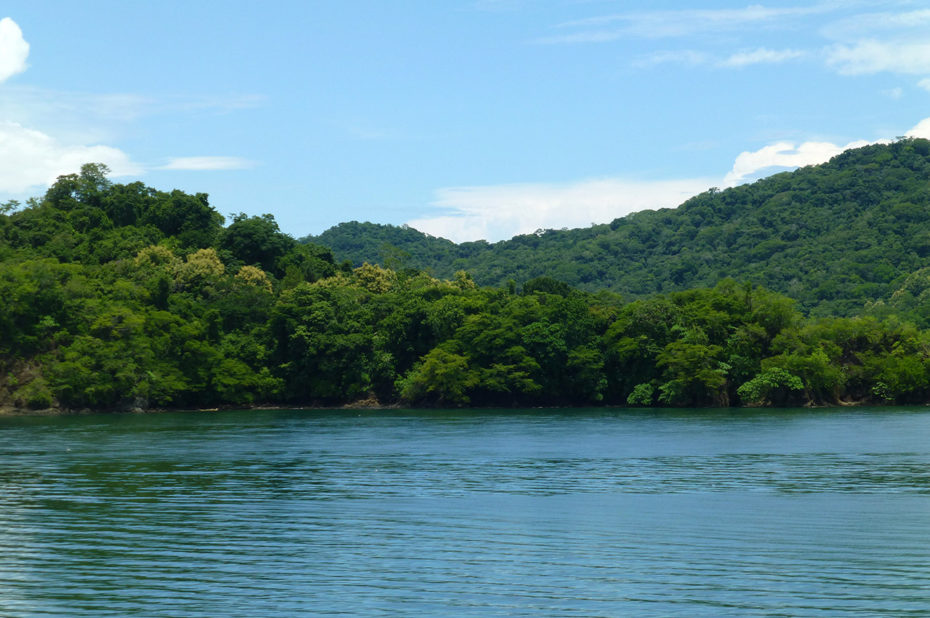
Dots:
{"x": 124, "y": 297}
{"x": 834, "y": 236}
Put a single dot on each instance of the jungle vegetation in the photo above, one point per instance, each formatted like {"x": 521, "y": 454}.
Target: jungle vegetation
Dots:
{"x": 836, "y": 237}
{"x": 119, "y": 296}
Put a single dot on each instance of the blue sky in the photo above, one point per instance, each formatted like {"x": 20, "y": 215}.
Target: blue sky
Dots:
{"x": 463, "y": 118}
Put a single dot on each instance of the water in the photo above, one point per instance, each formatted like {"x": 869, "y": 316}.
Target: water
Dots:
{"x": 580, "y": 513}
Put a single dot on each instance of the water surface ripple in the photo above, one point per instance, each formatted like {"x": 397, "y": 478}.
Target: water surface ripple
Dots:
{"x": 581, "y": 513}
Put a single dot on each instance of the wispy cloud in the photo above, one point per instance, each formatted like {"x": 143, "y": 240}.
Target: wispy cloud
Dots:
{"x": 14, "y": 50}
{"x": 670, "y": 24}
{"x": 867, "y": 25}
{"x": 851, "y": 44}
{"x": 894, "y": 93}
{"x": 736, "y": 60}
{"x": 761, "y": 56}
{"x": 879, "y": 42}
{"x": 29, "y": 104}
{"x": 874, "y": 56}
{"x": 71, "y": 116}
{"x": 200, "y": 164}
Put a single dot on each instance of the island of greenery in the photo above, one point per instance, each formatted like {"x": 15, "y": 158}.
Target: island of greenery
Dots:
{"x": 121, "y": 296}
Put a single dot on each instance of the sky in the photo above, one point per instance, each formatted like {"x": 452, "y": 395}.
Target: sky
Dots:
{"x": 465, "y": 119}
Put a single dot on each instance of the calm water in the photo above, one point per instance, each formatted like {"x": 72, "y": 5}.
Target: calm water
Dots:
{"x": 582, "y": 513}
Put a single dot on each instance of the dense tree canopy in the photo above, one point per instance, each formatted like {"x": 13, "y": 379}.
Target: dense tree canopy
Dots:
{"x": 836, "y": 237}
{"x": 121, "y": 296}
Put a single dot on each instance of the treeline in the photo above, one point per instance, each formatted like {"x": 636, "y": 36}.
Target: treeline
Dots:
{"x": 836, "y": 237}
{"x": 122, "y": 296}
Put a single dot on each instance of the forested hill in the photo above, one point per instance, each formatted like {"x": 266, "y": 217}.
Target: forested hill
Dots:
{"x": 834, "y": 236}
{"x": 124, "y": 296}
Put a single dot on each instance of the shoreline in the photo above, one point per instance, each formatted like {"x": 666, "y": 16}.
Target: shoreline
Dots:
{"x": 8, "y": 411}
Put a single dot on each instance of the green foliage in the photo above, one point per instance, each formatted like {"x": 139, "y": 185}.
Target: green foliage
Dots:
{"x": 122, "y": 296}
{"x": 547, "y": 285}
{"x": 442, "y": 378}
{"x": 374, "y": 278}
{"x": 642, "y": 395}
{"x": 323, "y": 342}
{"x": 256, "y": 241}
{"x": 772, "y": 386}
{"x": 694, "y": 374}
{"x": 834, "y": 237}
{"x": 392, "y": 246}
{"x": 35, "y": 395}
{"x": 251, "y": 275}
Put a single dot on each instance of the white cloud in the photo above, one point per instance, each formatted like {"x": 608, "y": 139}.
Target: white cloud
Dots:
{"x": 787, "y": 155}
{"x": 922, "y": 129}
{"x": 207, "y": 164}
{"x": 31, "y": 159}
{"x": 783, "y": 155}
{"x": 924, "y": 83}
{"x": 501, "y": 211}
{"x": 496, "y": 212}
{"x": 873, "y": 56}
{"x": 14, "y": 50}
{"x": 761, "y": 56}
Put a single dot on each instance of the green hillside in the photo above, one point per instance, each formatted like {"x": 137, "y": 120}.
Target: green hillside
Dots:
{"x": 834, "y": 236}
{"x": 122, "y": 296}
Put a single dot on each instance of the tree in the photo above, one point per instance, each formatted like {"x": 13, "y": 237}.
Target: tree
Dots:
{"x": 189, "y": 218}
{"x": 257, "y": 241}
{"x": 442, "y": 377}
{"x": 546, "y": 285}
{"x": 774, "y": 386}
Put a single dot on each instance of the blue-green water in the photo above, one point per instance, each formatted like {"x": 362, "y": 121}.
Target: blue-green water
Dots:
{"x": 580, "y": 513}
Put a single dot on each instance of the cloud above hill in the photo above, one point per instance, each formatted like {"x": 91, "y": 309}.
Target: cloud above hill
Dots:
{"x": 31, "y": 159}
{"x": 497, "y": 212}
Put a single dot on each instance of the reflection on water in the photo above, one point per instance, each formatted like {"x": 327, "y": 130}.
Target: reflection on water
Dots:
{"x": 582, "y": 513}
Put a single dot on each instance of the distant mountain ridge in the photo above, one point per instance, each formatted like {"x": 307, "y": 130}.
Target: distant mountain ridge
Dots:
{"x": 835, "y": 236}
